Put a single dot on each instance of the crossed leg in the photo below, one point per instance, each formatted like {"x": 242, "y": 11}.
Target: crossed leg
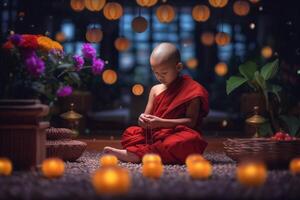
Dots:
{"x": 122, "y": 154}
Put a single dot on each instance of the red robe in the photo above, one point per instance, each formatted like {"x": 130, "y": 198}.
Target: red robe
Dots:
{"x": 172, "y": 144}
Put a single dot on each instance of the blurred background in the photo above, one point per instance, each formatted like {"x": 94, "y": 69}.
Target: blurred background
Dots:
{"x": 256, "y": 30}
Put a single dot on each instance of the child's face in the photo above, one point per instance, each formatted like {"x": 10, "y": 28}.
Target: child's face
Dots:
{"x": 165, "y": 73}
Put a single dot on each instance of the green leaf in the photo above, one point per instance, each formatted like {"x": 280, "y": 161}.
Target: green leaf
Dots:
{"x": 270, "y": 69}
{"x": 233, "y": 82}
{"x": 263, "y": 86}
{"x": 292, "y": 122}
{"x": 39, "y": 87}
{"x": 275, "y": 89}
{"x": 65, "y": 65}
{"x": 248, "y": 69}
{"x": 260, "y": 80}
{"x": 74, "y": 76}
{"x": 265, "y": 129}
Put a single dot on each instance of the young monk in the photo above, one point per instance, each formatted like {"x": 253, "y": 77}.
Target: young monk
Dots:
{"x": 172, "y": 116}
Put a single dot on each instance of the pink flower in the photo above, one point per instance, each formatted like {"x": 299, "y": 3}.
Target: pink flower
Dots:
{"x": 64, "y": 91}
{"x": 97, "y": 67}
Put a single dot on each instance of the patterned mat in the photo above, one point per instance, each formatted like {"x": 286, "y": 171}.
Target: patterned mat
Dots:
{"x": 174, "y": 184}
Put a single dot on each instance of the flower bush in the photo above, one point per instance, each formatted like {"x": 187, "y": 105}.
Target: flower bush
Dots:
{"x": 36, "y": 66}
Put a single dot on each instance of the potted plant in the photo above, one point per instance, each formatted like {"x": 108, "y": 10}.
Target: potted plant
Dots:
{"x": 37, "y": 67}
{"x": 264, "y": 93}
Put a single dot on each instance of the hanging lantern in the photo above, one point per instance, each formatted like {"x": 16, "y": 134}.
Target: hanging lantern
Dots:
{"x": 77, "y": 5}
{"x": 146, "y": 3}
{"x": 266, "y": 52}
{"x": 207, "y": 38}
{"x": 218, "y": 3}
{"x": 94, "y": 5}
{"x": 122, "y": 44}
{"x": 241, "y": 8}
{"x": 94, "y": 35}
{"x": 201, "y": 13}
{"x": 21, "y": 14}
{"x": 113, "y": 11}
{"x": 222, "y": 39}
{"x": 165, "y": 13}
{"x": 254, "y": 1}
{"x": 139, "y": 24}
{"x": 60, "y": 37}
{"x": 221, "y": 69}
{"x": 138, "y": 89}
{"x": 109, "y": 76}
{"x": 192, "y": 63}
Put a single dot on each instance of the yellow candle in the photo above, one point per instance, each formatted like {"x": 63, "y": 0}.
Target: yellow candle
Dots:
{"x": 251, "y": 174}
{"x": 53, "y": 167}
{"x": 152, "y": 166}
{"x": 151, "y": 158}
{"x": 108, "y": 161}
{"x": 199, "y": 169}
{"x": 5, "y": 167}
{"x": 192, "y": 158}
{"x": 152, "y": 170}
{"x": 295, "y": 166}
{"x": 111, "y": 180}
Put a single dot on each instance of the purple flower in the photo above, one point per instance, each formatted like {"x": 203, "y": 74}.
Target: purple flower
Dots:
{"x": 64, "y": 91}
{"x": 88, "y": 51}
{"x": 56, "y": 52}
{"x": 97, "y": 67}
{"x": 79, "y": 61}
{"x": 34, "y": 65}
{"x": 15, "y": 39}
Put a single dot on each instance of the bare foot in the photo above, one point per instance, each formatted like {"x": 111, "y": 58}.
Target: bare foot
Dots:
{"x": 122, "y": 154}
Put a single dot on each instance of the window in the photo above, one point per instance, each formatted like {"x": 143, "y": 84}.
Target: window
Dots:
{"x": 135, "y": 61}
{"x": 72, "y": 44}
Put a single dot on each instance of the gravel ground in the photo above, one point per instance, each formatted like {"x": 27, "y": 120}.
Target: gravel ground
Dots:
{"x": 174, "y": 184}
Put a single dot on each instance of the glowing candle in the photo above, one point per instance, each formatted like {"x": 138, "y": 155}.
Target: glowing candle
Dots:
{"x": 152, "y": 166}
{"x": 108, "y": 161}
{"x": 192, "y": 158}
{"x": 5, "y": 167}
{"x": 151, "y": 158}
{"x": 53, "y": 167}
{"x": 111, "y": 180}
{"x": 295, "y": 166}
{"x": 251, "y": 174}
{"x": 199, "y": 169}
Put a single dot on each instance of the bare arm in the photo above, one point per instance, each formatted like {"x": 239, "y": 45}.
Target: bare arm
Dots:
{"x": 141, "y": 119}
{"x": 149, "y": 105}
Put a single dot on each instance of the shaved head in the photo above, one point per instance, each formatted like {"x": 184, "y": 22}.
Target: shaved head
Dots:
{"x": 165, "y": 53}
{"x": 165, "y": 63}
